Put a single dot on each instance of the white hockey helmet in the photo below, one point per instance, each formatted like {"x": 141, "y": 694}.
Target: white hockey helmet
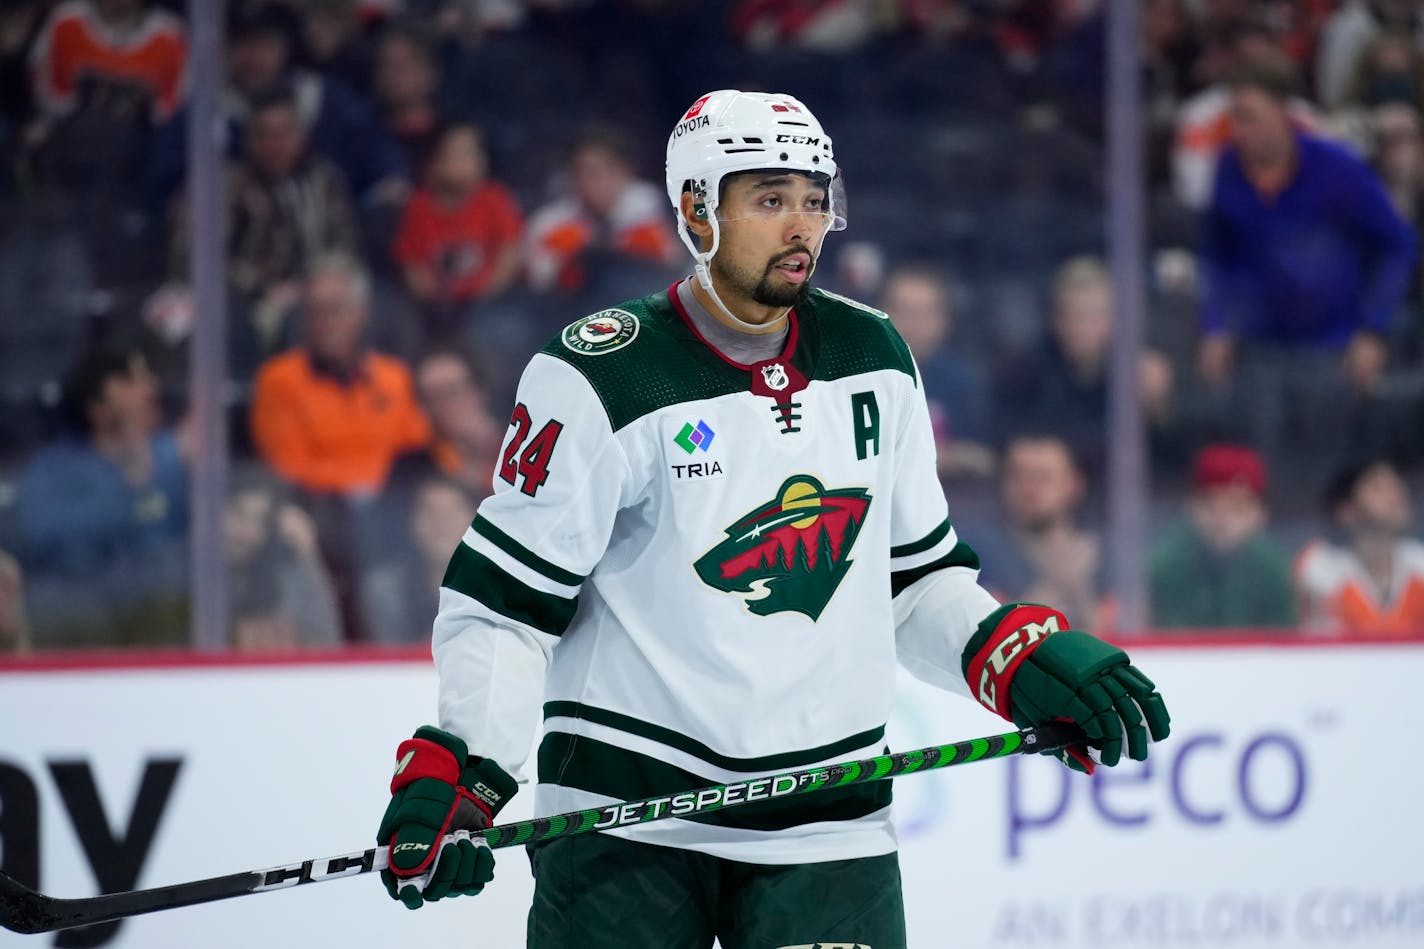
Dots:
{"x": 730, "y": 131}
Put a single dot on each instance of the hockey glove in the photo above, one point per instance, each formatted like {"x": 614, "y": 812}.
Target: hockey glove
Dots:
{"x": 1024, "y": 663}
{"x": 438, "y": 789}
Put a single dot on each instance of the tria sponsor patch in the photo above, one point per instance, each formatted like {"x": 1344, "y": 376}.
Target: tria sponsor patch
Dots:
{"x": 695, "y": 437}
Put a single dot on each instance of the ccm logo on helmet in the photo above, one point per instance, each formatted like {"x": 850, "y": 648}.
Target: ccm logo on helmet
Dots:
{"x": 799, "y": 139}
{"x": 689, "y": 125}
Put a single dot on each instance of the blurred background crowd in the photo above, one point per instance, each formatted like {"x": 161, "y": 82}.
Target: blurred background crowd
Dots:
{"x": 419, "y": 192}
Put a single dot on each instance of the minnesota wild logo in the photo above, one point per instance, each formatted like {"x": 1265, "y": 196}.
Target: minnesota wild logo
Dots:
{"x": 600, "y": 333}
{"x": 791, "y": 553}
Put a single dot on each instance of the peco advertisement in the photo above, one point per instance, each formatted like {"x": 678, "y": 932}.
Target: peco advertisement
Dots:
{"x": 1283, "y": 812}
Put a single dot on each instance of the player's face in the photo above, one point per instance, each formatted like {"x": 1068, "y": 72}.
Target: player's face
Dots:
{"x": 772, "y": 225}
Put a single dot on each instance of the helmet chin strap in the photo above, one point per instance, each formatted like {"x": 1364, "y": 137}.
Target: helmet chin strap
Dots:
{"x": 704, "y": 277}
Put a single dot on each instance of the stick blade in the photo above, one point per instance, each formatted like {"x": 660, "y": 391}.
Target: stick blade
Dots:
{"x": 23, "y": 910}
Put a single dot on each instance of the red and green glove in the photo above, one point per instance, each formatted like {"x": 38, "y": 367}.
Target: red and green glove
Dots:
{"x": 440, "y": 789}
{"x": 1024, "y": 663}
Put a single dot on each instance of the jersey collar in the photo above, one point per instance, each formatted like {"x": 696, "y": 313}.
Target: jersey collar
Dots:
{"x": 792, "y": 332}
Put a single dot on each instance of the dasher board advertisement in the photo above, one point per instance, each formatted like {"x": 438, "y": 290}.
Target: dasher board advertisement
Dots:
{"x": 1283, "y": 811}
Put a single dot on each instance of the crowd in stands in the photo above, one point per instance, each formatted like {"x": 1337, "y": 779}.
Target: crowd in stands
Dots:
{"x": 420, "y": 192}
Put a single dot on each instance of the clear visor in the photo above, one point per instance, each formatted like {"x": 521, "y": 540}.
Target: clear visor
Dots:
{"x": 821, "y": 204}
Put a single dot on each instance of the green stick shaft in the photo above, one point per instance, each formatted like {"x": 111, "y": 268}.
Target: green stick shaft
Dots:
{"x": 775, "y": 787}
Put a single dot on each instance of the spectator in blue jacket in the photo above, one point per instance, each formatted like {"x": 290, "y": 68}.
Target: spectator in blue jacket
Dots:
{"x": 1306, "y": 262}
{"x": 103, "y": 515}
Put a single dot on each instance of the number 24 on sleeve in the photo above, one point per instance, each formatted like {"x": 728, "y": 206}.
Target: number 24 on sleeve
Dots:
{"x": 532, "y": 463}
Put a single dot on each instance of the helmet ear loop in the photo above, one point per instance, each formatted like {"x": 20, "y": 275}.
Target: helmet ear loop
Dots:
{"x": 692, "y": 242}
{"x": 704, "y": 259}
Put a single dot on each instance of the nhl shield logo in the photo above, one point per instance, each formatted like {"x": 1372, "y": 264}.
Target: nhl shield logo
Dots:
{"x": 791, "y": 553}
{"x": 775, "y": 376}
{"x": 600, "y": 333}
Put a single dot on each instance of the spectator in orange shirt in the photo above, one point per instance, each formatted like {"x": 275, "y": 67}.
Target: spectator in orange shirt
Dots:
{"x": 607, "y": 216}
{"x": 1367, "y": 576}
{"x": 458, "y": 241}
{"x": 330, "y": 415}
{"x": 115, "y": 49}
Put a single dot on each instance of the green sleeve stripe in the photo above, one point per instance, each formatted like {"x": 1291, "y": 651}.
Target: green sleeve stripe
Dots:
{"x": 523, "y": 554}
{"x": 673, "y": 739}
{"x": 961, "y": 556}
{"x": 475, "y": 575}
{"x": 582, "y": 763}
{"x": 924, "y": 543}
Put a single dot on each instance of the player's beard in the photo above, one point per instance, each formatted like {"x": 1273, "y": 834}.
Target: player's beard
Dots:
{"x": 764, "y": 288}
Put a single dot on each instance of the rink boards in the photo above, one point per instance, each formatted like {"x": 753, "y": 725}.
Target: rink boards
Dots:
{"x": 1283, "y": 812}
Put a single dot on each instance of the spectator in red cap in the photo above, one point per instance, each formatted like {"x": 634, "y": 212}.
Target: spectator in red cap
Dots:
{"x": 1219, "y": 568}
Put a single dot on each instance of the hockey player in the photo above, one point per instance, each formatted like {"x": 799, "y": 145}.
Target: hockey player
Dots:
{"x": 716, "y": 527}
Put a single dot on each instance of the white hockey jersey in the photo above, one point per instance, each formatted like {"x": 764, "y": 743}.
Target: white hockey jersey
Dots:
{"x": 697, "y": 571}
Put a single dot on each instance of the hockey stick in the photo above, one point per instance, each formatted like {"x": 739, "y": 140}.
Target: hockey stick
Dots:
{"x": 24, "y": 910}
